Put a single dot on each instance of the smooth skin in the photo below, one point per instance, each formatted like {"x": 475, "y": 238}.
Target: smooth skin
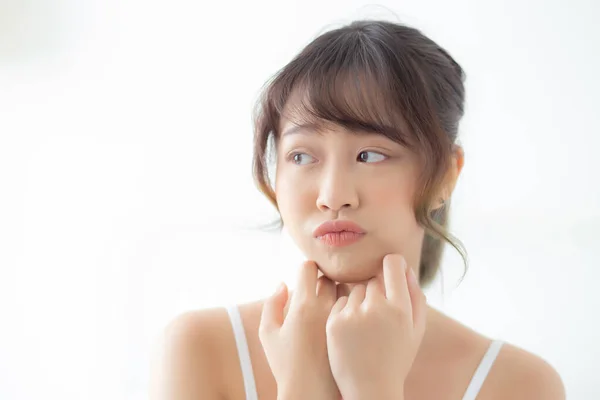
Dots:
{"x": 373, "y": 336}
{"x": 197, "y": 359}
{"x": 294, "y": 341}
{"x": 385, "y": 318}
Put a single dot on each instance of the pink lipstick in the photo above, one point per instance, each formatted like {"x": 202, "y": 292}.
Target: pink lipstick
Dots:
{"x": 338, "y": 233}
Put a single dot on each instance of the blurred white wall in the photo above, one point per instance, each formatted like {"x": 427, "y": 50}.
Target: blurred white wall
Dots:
{"x": 126, "y": 196}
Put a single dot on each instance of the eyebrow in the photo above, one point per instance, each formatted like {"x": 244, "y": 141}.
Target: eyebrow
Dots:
{"x": 311, "y": 128}
{"x": 295, "y": 129}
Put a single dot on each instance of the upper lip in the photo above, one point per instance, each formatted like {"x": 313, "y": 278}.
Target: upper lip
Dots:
{"x": 337, "y": 225}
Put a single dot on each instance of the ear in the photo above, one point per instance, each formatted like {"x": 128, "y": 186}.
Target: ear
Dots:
{"x": 456, "y": 164}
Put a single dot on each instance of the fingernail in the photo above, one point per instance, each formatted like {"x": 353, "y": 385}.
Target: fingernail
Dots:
{"x": 280, "y": 288}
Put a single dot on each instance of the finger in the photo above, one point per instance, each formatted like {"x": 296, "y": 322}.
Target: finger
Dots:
{"x": 375, "y": 289}
{"x": 342, "y": 289}
{"x": 326, "y": 289}
{"x": 339, "y": 305}
{"x": 394, "y": 276}
{"x": 307, "y": 280}
{"x": 286, "y": 308}
{"x": 419, "y": 303}
{"x": 357, "y": 295}
{"x": 272, "y": 315}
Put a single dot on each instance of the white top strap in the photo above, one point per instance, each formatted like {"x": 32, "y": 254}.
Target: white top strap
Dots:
{"x": 243, "y": 352}
{"x": 482, "y": 371}
{"x": 250, "y": 385}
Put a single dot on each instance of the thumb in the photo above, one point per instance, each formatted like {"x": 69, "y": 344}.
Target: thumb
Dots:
{"x": 272, "y": 313}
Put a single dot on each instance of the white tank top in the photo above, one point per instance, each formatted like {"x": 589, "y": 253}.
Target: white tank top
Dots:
{"x": 250, "y": 386}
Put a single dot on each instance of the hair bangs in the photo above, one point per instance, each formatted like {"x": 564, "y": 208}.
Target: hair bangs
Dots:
{"x": 373, "y": 77}
{"x": 343, "y": 87}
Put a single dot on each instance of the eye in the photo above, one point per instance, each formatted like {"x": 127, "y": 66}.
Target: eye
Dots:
{"x": 301, "y": 158}
{"x": 370, "y": 157}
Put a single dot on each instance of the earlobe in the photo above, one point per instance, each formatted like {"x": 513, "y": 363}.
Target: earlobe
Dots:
{"x": 458, "y": 161}
{"x": 441, "y": 202}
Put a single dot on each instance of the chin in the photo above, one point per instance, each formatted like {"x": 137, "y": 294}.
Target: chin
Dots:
{"x": 352, "y": 270}
{"x": 342, "y": 277}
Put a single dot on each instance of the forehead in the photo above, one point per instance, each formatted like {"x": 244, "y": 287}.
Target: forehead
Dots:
{"x": 299, "y": 117}
{"x": 291, "y": 127}
{"x": 308, "y": 110}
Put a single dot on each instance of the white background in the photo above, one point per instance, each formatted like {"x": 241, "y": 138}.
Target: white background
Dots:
{"x": 126, "y": 196}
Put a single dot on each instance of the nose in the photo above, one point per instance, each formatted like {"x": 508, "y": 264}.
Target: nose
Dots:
{"x": 337, "y": 189}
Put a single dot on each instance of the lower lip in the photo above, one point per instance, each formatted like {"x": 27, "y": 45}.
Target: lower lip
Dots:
{"x": 339, "y": 239}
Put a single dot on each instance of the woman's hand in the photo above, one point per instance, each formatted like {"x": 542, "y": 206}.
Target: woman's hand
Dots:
{"x": 294, "y": 341}
{"x": 373, "y": 334}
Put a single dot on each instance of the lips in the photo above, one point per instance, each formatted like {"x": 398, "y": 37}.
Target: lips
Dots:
{"x": 339, "y": 232}
{"x": 337, "y": 226}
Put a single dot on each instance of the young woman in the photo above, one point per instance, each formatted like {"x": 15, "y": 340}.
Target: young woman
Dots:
{"x": 362, "y": 125}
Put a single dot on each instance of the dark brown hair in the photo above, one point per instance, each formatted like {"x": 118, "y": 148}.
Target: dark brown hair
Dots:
{"x": 374, "y": 76}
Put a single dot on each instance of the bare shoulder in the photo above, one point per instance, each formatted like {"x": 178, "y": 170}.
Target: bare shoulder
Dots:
{"x": 518, "y": 374}
{"x": 189, "y": 360}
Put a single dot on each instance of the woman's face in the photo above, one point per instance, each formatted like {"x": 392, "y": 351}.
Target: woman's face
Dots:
{"x": 364, "y": 178}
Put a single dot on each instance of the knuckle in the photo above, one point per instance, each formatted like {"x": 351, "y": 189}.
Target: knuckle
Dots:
{"x": 313, "y": 310}
{"x": 369, "y": 307}
{"x": 333, "y": 324}
{"x": 263, "y": 331}
{"x": 402, "y": 314}
{"x": 399, "y": 311}
{"x": 305, "y": 306}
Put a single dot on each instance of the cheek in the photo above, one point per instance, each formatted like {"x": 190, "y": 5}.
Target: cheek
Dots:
{"x": 391, "y": 196}
{"x": 397, "y": 228}
{"x": 293, "y": 197}
{"x": 393, "y": 202}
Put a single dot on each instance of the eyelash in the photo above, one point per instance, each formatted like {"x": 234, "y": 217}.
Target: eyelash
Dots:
{"x": 385, "y": 157}
{"x": 293, "y": 155}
